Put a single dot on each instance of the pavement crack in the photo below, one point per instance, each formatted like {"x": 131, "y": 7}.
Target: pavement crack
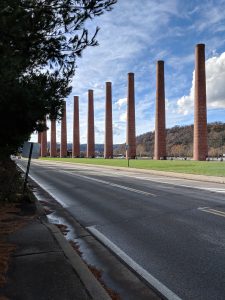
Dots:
{"x": 36, "y": 253}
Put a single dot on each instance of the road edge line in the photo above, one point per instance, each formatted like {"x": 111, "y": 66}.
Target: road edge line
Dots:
{"x": 151, "y": 280}
{"x": 189, "y": 176}
{"x": 91, "y": 284}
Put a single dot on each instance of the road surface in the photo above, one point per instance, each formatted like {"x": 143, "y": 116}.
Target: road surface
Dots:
{"x": 171, "y": 231}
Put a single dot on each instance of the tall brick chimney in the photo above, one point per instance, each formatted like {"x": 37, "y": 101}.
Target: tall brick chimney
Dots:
{"x": 63, "y": 146}
{"x": 108, "y": 149}
{"x": 44, "y": 143}
{"x": 200, "y": 146}
{"x": 53, "y": 150}
{"x": 76, "y": 129}
{"x": 131, "y": 134}
{"x": 160, "y": 122}
{"x": 90, "y": 129}
{"x": 39, "y": 137}
{"x": 39, "y": 141}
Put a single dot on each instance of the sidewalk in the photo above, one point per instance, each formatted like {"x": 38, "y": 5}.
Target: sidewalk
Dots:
{"x": 46, "y": 267}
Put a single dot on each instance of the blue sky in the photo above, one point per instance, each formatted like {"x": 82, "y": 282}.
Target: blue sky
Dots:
{"x": 132, "y": 38}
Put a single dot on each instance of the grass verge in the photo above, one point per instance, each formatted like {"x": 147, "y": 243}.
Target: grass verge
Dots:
{"x": 209, "y": 168}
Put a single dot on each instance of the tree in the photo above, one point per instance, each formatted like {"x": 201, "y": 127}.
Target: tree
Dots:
{"x": 40, "y": 41}
{"x": 140, "y": 149}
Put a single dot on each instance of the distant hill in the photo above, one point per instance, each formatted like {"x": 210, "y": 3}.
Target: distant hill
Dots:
{"x": 83, "y": 147}
{"x": 179, "y": 142}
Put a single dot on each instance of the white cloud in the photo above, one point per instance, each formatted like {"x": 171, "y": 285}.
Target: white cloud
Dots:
{"x": 123, "y": 37}
{"x": 118, "y": 130}
{"x": 123, "y": 117}
{"x": 121, "y": 102}
{"x": 215, "y": 87}
{"x": 99, "y": 131}
{"x": 215, "y": 72}
{"x": 132, "y": 37}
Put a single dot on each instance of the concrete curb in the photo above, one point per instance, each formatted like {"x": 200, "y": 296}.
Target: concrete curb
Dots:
{"x": 204, "y": 178}
{"x": 92, "y": 285}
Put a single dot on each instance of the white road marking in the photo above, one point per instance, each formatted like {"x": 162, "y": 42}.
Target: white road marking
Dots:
{"x": 155, "y": 283}
{"x": 112, "y": 184}
{"x": 218, "y": 211}
{"x": 215, "y": 190}
{"x": 212, "y": 211}
{"x": 159, "y": 180}
{"x": 45, "y": 188}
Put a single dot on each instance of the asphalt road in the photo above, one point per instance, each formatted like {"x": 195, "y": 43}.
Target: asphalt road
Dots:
{"x": 171, "y": 231}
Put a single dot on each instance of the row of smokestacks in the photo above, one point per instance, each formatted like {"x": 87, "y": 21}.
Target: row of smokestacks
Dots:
{"x": 200, "y": 119}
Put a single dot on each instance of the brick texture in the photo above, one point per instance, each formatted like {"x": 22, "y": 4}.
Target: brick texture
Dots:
{"x": 108, "y": 149}
{"x": 131, "y": 132}
{"x": 39, "y": 141}
{"x": 63, "y": 145}
{"x": 53, "y": 150}
{"x": 76, "y": 128}
{"x": 200, "y": 148}
{"x": 160, "y": 122}
{"x": 44, "y": 143}
{"x": 90, "y": 129}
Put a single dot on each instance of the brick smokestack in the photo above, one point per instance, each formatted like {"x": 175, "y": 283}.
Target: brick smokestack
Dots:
{"x": 76, "y": 129}
{"x": 63, "y": 146}
{"x": 108, "y": 149}
{"x": 131, "y": 135}
{"x": 44, "y": 142}
{"x": 53, "y": 150}
{"x": 39, "y": 137}
{"x": 200, "y": 114}
{"x": 90, "y": 129}
{"x": 160, "y": 120}
{"x": 39, "y": 141}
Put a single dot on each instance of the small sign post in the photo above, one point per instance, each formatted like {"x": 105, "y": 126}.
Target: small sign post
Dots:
{"x": 128, "y": 159}
{"x": 28, "y": 167}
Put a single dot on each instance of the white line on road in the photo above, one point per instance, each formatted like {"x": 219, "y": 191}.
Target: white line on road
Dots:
{"x": 155, "y": 283}
{"x": 211, "y": 189}
{"x": 111, "y": 184}
{"x": 212, "y": 211}
{"x": 217, "y": 190}
{"x": 45, "y": 188}
{"x": 159, "y": 179}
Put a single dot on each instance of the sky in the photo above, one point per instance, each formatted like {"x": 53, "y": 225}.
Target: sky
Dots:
{"x": 133, "y": 36}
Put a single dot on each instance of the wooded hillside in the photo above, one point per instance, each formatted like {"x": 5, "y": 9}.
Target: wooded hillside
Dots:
{"x": 180, "y": 141}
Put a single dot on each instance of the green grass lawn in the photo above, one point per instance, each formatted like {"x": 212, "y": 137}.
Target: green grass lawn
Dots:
{"x": 211, "y": 168}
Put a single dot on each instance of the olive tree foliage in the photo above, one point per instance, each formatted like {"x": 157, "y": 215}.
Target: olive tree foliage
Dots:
{"x": 39, "y": 43}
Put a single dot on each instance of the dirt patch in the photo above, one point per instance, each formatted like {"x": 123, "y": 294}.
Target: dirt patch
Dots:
{"x": 63, "y": 228}
{"x": 46, "y": 208}
{"x": 96, "y": 272}
{"x": 76, "y": 247}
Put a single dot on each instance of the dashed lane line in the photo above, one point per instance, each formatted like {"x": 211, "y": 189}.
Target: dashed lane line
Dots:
{"x": 158, "y": 180}
{"x": 112, "y": 184}
{"x": 103, "y": 182}
{"x": 215, "y": 190}
{"x": 212, "y": 211}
